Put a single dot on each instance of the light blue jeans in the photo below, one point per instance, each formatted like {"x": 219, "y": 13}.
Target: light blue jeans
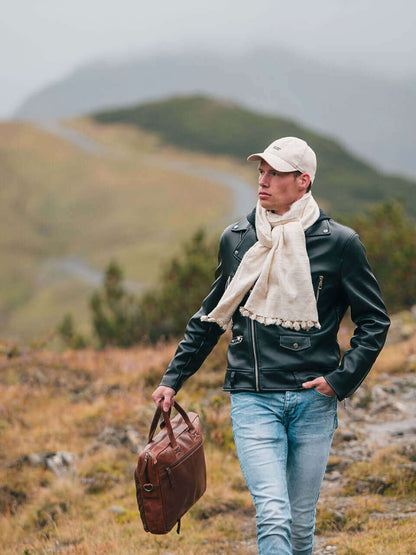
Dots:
{"x": 283, "y": 441}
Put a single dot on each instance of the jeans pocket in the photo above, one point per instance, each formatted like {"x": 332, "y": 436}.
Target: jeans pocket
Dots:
{"x": 323, "y": 394}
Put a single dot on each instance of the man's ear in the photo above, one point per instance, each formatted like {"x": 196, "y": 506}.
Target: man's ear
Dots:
{"x": 304, "y": 181}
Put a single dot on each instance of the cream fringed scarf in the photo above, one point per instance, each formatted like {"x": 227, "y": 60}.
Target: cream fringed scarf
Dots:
{"x": 276, "y": 270}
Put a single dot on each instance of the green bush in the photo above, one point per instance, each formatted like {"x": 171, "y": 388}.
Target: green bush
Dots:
{"x": 122, "y": 319}
{"x": 116, "y": 313}
{"x": 185, "y": 282}
{"x": 389, "y": 237}
{"x": 70, "y": 337}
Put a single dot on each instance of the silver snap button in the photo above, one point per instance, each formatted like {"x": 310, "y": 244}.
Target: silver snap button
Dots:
{"x": 236, "y": 225}
{"x": 236, "y": 252}
{"x": 295, "y": 345}
{"x": 325, "y": 231}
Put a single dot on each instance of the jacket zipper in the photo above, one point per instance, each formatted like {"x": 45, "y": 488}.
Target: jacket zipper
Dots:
{"x": 321, "y": 281}
{"x": 256, "y": 365}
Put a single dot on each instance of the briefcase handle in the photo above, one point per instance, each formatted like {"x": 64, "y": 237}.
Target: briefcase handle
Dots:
{"x": 166, "y": 418}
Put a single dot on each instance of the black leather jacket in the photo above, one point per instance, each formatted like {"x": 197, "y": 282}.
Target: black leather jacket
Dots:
{"x": 272, "y": 358}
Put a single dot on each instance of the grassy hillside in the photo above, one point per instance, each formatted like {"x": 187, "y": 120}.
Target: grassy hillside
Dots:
{"x": 60, "y": 207}
{"x": 198, "y": 123}
{"x": 65, "y": 212}
{"x": 96, "y": 406}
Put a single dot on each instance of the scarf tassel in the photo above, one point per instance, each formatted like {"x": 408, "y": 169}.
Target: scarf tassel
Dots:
{"x": 267, "y": 321}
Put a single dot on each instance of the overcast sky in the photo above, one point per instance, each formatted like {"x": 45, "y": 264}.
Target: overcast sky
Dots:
{"x": 43, "y": 40}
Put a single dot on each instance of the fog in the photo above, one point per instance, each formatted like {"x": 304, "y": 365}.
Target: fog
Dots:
{"x": 43, "y": 41}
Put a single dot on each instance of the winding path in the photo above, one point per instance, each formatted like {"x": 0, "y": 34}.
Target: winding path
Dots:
{"x": 243, "y": 195}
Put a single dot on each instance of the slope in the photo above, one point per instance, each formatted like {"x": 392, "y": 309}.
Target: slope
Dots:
{"x": 65, "y": 213}
{"x": 204, "y": 124}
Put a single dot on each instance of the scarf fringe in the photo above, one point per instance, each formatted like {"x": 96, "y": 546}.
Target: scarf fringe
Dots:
{"x": 267, "y": 321}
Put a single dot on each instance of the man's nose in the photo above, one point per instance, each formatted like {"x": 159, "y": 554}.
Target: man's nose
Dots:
{"x": 263, "y": 180}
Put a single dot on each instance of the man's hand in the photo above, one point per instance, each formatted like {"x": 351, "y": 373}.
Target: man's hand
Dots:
{"x": 165, "y": 393}
{"x": 321, "y": 385}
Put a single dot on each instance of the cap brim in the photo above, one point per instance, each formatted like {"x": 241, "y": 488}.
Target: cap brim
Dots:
{"x": 274, "y": 161}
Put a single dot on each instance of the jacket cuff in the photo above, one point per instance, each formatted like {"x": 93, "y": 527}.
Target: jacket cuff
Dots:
{"x": 333, "y": 382}
{"x": 171, "y": 381}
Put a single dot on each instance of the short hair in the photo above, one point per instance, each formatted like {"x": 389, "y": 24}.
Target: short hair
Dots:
{"x": 297, "y": 173}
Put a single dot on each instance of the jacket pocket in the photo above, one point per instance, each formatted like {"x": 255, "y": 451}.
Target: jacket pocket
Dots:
{"x": 295, "y": 343}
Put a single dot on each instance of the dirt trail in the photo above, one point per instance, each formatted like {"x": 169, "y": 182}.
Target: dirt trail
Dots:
{"x": 243, "y": 196}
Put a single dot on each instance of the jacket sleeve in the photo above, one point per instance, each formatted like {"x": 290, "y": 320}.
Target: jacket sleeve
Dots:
{"x": 200, "y": 337}
{"x": 369, "y": 314}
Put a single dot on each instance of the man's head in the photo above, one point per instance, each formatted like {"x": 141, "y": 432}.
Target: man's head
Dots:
{"x": 289, "y": 154}
{"x": 286, "y": 170}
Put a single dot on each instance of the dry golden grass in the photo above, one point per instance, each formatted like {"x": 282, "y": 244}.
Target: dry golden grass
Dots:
{"x": 53, "y": 402}
{"x": 63, "y": 402}
{"x": 387, "y": 537}
{"x": 394, "y": 359}
{"x": 390, "y": 472}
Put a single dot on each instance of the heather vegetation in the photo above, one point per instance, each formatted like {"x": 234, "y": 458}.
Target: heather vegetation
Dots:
{"x": 71, "y": 425}
{"x": 390, "y": 240}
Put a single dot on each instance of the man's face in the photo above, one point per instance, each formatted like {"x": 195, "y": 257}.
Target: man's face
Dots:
{"x": 279, "y": 190}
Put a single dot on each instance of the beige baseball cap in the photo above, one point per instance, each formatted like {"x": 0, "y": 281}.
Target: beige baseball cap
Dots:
{"x": 289, "y": 154}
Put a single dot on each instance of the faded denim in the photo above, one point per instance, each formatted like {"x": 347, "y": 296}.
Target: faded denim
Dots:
{"x": 283, "y": 441}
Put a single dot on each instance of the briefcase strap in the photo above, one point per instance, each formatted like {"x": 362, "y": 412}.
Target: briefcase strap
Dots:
{"x": 166, "y": 418}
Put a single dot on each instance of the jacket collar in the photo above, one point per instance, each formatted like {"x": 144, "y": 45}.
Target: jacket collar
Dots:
{"x": 319, "y": 228}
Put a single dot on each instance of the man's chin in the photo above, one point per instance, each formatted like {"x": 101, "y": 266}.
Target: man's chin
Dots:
{"x": 266, "y": 204}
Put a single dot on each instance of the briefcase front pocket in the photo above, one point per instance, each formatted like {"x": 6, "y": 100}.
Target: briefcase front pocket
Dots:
{"x": 181, "y": 486}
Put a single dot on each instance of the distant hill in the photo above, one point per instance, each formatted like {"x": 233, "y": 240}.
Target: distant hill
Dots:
{"x": 199, "y": 123}
{"x": 374, "y": 117}
{"x": 65, "y": 213}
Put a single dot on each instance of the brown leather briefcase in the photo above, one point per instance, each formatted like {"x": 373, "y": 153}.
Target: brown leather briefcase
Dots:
{"x": 170, "y": 475}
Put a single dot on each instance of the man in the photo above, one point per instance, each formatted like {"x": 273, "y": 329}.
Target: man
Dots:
{"x": 286, "y": 275}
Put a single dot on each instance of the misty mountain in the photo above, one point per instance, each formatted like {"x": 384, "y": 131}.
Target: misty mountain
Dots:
{"x": 374, "y": 117}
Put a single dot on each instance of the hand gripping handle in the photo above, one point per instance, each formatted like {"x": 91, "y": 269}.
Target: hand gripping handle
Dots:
{"x": 166, "y": 418}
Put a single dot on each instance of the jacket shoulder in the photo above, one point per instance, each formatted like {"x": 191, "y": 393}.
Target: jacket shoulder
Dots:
{"x": 241, "y": 225}
{"x": 341, "y": 232}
